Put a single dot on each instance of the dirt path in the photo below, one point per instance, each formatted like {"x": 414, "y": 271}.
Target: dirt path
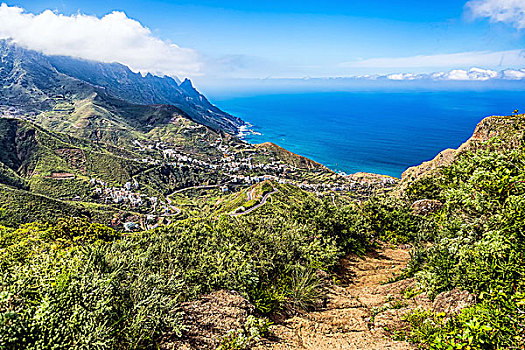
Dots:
{"x": 351, "y": 319}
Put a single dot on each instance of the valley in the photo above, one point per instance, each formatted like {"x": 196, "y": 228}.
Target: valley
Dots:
{"x": 132, "y": 216}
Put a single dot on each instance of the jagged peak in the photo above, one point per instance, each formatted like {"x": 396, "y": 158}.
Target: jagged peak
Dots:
{"x": 187, "y": 84}
{"x": 118, "y": 81}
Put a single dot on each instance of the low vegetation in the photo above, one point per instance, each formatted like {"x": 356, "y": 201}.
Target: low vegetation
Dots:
{"x": 75, "y": 284}
{"x": 475, "y": 242}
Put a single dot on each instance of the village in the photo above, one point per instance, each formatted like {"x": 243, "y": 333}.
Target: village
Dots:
{"x": 127, "y": 196}
{"x": 240, "y": 167}
{"x": 235, "y": 169}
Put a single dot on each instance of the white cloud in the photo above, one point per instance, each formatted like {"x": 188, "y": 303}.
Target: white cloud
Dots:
{"x": 477, "y": 74}
{"x": 462, "y": 59}
{"x": 482, "y": 74}
{"x": 506, "y": 11}
{"x": 457, "y": 74}
{"x": 112, "y": 38}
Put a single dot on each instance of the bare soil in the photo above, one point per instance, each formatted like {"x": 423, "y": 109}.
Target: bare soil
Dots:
{"x": 208, "y": 320}
{"x": 361, "y": 310}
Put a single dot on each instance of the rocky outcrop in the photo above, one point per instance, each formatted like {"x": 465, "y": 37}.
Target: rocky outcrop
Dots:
{"x": 443, "y": 159}
{"x": 508, "y": 129}
{"x": 453, "y": 301}
{"x": 291, "y": 158}
{"x": 373, "y": 180}
{"x": 426, "y": 206}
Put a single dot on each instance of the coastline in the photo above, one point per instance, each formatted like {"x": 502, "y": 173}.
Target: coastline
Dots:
{"x": 380, "y": 132}
{"x": 246, "y": 130}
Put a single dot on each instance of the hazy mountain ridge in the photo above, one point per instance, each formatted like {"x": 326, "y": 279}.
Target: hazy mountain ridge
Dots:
{"x": 32, "y": 82}
{"x": 118, "y": 80}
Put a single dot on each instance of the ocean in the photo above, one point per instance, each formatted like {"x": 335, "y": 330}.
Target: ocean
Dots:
{"x": 374, "y": 131}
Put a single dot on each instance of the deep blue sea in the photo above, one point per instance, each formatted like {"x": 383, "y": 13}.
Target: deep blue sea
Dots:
{"x": 379, "y": 132}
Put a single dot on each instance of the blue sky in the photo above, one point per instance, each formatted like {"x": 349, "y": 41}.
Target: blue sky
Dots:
{"x": 258, "y": 39}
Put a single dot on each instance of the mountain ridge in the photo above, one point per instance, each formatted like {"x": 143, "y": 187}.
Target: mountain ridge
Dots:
{"x": 120, "y": 81}
{"x": 33, "y": 81}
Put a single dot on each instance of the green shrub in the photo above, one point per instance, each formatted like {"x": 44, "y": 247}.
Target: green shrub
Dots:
{"x": 495, "y": 323}
{"x": 251, "y": 203}
{"x": 64, "y": 288}
{"x": 426, "y": 187}
{"x": 479, "y": 246}
{"x": 296, "y": 289}
{"x": 242, "y": 339}
{"x": 266, "y": 187}
{"x": 390, "y": 219}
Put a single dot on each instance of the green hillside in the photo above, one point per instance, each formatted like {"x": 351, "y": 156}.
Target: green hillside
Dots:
{"x": 282, "y": 256}
{"x": 128, "y": 214}
{"x": 20, "y": 206}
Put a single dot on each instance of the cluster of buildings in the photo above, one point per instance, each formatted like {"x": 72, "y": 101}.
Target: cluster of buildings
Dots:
{"x": 229, "y": 163}
{"x": 241, "y": 169}
{"x": 122, "y": 195}
{"x": 240, "y": 166}
{"x": 119, "y": 196}
{"x": 8, "y": 111}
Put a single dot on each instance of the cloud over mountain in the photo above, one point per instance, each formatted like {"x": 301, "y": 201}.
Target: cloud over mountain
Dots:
{"x": 472, "y": 74}
{"x": 112, "y": 38}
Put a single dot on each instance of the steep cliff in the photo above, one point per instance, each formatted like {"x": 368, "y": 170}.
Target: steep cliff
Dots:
{"x": 507, "y": 129}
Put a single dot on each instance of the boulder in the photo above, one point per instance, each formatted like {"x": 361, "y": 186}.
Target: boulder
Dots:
{"x": 426, "y": 206}
{"x": 453, "y": 301}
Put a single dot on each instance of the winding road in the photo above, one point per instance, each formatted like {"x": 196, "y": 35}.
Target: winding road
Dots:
{"x": 174, "y": 208}
{"x": 263, "y": 201}
{"x": 177, "y": 210}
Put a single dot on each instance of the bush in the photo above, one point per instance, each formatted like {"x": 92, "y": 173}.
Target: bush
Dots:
{"x": 426, "y": 187}
{"x": 266, "y": 187}
{"x": 495, "y": 323}
{"x": 479, "y": 246}
{"x": 295, "y": 290}
{"x": 390, "y": 219}
{"x": 57, "y": 294}
{"x": 241, "y": 339}
{"x": 77, "y": 285}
